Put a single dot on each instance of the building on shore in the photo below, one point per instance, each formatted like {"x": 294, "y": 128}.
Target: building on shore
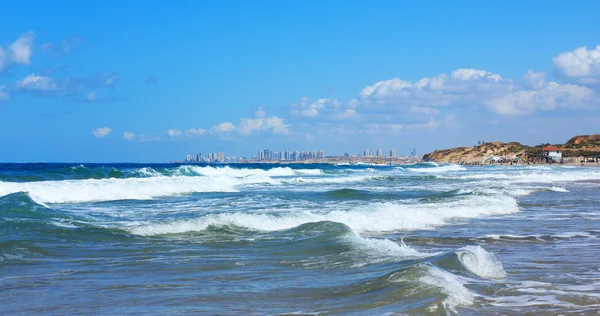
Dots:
{"x": 393, "y": 153}
{"x": 553, "y": 153}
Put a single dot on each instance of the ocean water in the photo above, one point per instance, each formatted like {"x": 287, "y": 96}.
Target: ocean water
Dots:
{"x": 299, "y": 239}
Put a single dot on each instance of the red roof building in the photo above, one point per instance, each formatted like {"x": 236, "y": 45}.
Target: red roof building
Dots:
{"x": 552, "y": 148}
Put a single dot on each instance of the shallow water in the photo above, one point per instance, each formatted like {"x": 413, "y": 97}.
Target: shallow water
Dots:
{"x": 303, "y": 239}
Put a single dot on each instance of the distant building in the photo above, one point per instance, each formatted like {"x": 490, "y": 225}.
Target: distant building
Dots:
{"x": 393, "y": 153}
{"x": 379, "y": 153}
{"x": 221, "y": 157}
{"x": 367, "y": 153}
{"x": 346, "y": 154}
{"x": 553, "y": 152}
{"x": 320, "y": 154}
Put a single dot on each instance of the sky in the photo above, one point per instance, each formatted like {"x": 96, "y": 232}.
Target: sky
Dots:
{"x": 139, "y": 81}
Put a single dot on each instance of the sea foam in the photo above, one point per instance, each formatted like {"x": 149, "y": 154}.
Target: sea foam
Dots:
{"x": 376, "y": 217}
{"x": 71, "y": 191}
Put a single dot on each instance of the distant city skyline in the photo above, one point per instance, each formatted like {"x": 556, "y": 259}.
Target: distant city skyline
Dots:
{"x": 90, "y": 82}
{"x": 294, "y": 155}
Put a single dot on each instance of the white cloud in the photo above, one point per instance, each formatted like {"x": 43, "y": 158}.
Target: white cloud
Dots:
{"x": 324, "y": 109}
{"x": 274, "y": 123}
{"x": 195, "y": 132}
{"x": 4, "y": 96}
{"x": 472, "y": 88}
{"x": 441, "y": 90}
{"x": 579, "y": 63}
{"x": 173, "y": 132}
{"x": 536, "y": 80}
{"x": 550, "y": 97}
{"x": 101, "y": 132}
{"x": 380, "y": 128}
{"x": 21, "y": 49}
{"x": 18, "y": 53}
{"x": 128, "y": 136}
{"x": 225, "y": 127}
{"x": 260, "y": 113}
{"x": 430, "y": 125}
{"x": 34, "y": 82}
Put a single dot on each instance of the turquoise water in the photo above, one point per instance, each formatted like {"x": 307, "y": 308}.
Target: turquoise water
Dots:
{"x": 299, "y": 239}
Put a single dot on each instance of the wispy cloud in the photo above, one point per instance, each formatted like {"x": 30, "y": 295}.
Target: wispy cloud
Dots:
{"x": 128, "y": 136}
{"x": 4, "y": 96}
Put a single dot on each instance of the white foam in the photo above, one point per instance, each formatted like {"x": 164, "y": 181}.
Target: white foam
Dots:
{"x": 326, "y": 180}
{"x": 437, "y": 169}
{"x": 451, "y": 285}
{"x": 377, "y": 217}
{"x": 559, "y": 189}
{"x": 481, "y": 263}
{"x": 384, "y": 247}
{"x": 245, "y": 172}
{"x": 532, "y": 177}
{"x": 70, "y": 191}
{"x": 148, "y": 172}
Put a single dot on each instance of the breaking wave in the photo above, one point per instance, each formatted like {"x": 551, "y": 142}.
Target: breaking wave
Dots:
{"x": 376, "y": 217}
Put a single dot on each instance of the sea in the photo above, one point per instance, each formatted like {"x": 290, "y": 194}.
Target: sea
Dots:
{"x": 299, "y": 239}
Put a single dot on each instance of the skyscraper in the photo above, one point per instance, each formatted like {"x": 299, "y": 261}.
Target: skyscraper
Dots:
{"x": 221, "y": 157}
{"x": 379, "y": 153}
{"x": 367, "y": 153}
{"x": 393, "y": 153}
{"x": 320, "y": 154}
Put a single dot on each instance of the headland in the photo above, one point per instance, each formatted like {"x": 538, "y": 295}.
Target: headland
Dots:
{"x": 577, "y": 150}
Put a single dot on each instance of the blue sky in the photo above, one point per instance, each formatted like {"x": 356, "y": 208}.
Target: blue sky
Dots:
{"x": 133, "y": 81}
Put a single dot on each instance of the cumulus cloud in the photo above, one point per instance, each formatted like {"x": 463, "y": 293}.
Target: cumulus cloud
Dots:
{"x": 324, "y": 108}
{"x": 128, "y": 136}
{"x": 260, "y": 113}
{"x": 550, "y": 97}
{"x": 34, "y": 82}
{"x": 441, "y": 90}
{"x": 101, "y": 132}
{"x": 580, "y": 63}
{"x": 225, "y": 127}
{"x": 4, "y": 96}
{"x": 195, "y": 132}
{"x": 470, "y": 88}
{"x": 18, "y": 53}
{"x": 274, "y": 124}
{"x": 247, "y": 126}
{"x": 173, "y": 132}
{"x": 535, "y": 80}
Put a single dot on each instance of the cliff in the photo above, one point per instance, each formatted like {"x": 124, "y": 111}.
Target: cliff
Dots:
{"x": 477, "y": 153}
{"x": 576, "y": 146}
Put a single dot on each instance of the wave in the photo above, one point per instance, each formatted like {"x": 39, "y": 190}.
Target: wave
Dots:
{"x": 243, "y": 172}
{"x": 376, "y": 217}
{"x": 437, "y": 168}
{"x": 538, "y": 237}
{"x": 433, "y": 275}
{"x": 532, "y": 177}
{"x": 329, "y": 180}
{"x": 93, "y": 190}
{"x": 481, "y": 263}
